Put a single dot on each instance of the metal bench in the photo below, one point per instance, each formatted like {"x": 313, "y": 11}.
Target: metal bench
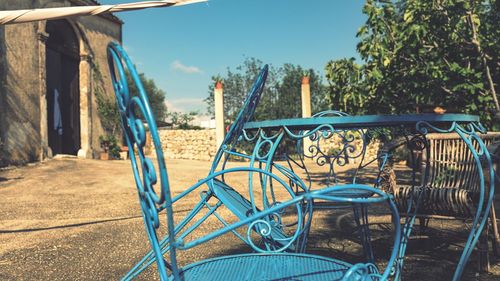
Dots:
{"x": 155, "y": 200}
{"x": 449, "y": 186}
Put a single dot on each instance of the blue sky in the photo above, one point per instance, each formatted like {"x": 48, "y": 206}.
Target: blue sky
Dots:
{"x": 182, "y": 47}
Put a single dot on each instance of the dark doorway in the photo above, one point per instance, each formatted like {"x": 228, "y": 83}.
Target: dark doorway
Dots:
{"x": 63, "y": 88}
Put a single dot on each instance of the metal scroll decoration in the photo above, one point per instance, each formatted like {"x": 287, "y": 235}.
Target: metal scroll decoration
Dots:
{"x": 351, "y": 145}
{"x": 135, "y": 113}
{"x": 290, "y": 233}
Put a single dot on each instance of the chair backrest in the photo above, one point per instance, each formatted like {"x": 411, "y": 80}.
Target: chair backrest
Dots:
{"x": 155, "y": 196}
{"x": 333, "y": 149}
{"x": 450, "y": 162}
{"x": 135, "y": 112}
{"x": 246, "y": 113}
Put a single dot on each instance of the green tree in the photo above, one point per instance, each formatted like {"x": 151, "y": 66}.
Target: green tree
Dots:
{"x": 182, "y": 120}
{"x": 287, "y": 103}
{"x": 237, "y": 84}
{"x": 155, "y": 95}
{"x": 108, "y": 109}
{"x": 281, "y": 96}
{"x": 420, "y": 54}
{"x": 345, "y": 92}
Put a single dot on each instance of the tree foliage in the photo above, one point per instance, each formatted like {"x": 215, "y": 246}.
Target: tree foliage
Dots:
{"x": 281, "y": 96}
{"x": 344, "y": 91}
{"x": 182, "y": 120}
{"x": 108, "y": 109}
{"x": 420, "y": 54}
{"x": 155, "y": 95}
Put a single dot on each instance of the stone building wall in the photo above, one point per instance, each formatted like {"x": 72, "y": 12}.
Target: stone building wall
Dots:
{"x": 98, "y": 33}
{"x": 188, "y": 144}
{"x": 19, "y": 94}
{"x": 23, "y": 104}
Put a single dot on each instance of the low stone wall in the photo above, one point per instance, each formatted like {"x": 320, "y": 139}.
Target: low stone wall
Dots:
{"x": 189, "y": 144}
{"x": 201, "y": 145}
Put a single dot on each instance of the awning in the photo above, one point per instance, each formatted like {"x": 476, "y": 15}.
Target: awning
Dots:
{"x": 20, "y": 16}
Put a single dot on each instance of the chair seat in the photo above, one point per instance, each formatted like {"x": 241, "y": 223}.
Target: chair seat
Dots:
{"x": 277, "y": 266}
{"x": 351, "y": 193}
{"x": 438, "y": 201}
{"x": 242, "y": 208}
{"x": 348, "y": 193}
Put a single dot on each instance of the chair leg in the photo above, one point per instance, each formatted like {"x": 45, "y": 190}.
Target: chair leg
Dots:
{"x": 361, "y": 218}
{"x": 302, "y": 240}
{"x": 423, "y": 224}
{"x": 495, "y": 239}
{"x": 482, "y": 249}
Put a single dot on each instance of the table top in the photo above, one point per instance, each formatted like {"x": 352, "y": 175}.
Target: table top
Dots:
{"x": 361, "y": 121}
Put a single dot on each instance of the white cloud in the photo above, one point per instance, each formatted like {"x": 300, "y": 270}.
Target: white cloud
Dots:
{"x": 185, "y": 105}
{"x": 171, "y": 107}
{"x": 177, "y": 65}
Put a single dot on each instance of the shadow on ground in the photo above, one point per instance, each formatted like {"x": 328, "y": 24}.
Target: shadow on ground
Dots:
{"x": 80, "y": 220}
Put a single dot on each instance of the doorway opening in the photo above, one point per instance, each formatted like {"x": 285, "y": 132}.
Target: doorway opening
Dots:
{"x": 63, "y": 88}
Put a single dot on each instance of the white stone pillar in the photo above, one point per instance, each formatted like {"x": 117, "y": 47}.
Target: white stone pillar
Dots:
{"x": 306, "y": 107}
{"x": 85, "y": 117}
{"x": 219, "y": 113}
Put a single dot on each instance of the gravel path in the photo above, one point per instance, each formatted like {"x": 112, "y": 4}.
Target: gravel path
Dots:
{"x": 68, "y": 219}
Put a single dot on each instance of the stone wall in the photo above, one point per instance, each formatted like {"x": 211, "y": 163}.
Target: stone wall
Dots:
{"x": 189, "y": 144}
{"x": 201, "y": 145}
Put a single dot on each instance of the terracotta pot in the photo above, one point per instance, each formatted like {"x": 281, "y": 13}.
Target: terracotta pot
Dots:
{"x": 439, "y": 110}
{"x": 104, "y": 156}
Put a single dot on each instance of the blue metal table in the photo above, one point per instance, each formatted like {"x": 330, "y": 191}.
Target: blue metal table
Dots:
{"x": 363, "y": 121}
{"x": 268, "y": 134}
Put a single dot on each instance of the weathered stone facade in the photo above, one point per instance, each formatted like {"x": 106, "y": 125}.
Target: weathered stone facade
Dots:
{"x": 24, "y": 119}
{"x": 189, "y": 144}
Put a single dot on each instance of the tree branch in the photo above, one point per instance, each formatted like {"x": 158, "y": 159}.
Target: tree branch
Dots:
{"x": 486, "y": 69}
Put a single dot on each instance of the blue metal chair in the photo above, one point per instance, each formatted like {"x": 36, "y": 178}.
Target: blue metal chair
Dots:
{"x": 268, "y": 263}
{"x": 223, "y": 193}
{"x": 218, "y": 190}
{"x": 231, "y": 149}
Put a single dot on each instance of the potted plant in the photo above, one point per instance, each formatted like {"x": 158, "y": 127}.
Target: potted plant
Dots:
{"x": 110, "y": 147}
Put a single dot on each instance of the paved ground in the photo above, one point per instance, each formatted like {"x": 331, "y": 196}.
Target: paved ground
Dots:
{"x": 79, "y": 220}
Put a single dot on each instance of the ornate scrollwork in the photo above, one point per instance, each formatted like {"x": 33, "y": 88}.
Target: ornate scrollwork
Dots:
{"x": 348, "y": 145}
{"x": 417, "y": 143}
{"x": 362, "y": 272}
{"x": 265, "y": 148}
{"x": 265, "y": 228}
{"x": 135, "y": 113}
